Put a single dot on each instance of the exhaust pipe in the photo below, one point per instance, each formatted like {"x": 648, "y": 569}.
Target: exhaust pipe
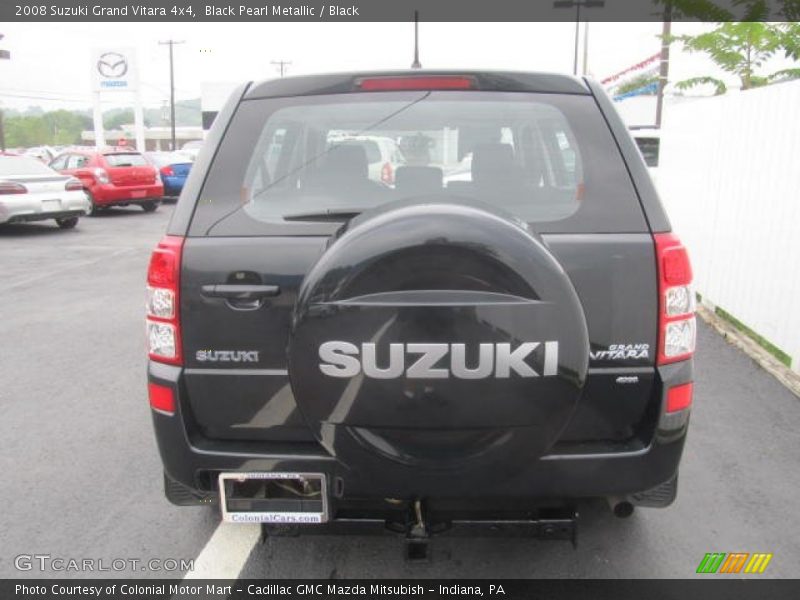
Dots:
{"x": 620, "y": 507}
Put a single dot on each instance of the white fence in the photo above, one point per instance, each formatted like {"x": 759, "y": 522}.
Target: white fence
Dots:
{"x": 729, "y": 176}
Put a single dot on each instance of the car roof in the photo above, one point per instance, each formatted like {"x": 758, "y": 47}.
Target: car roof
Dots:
{"x": 344, "y": 83}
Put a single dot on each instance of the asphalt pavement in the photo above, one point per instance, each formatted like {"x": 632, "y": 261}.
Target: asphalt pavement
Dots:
{"x": 83, "y": 477}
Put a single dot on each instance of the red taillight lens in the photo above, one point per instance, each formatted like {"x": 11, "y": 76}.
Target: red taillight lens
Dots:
{"x": 675, "y": 265}
{"x": 679, "y": 397}
{"x": 163, "y": 287}
{"x": 387, "y": 174}
{"x": 416, "y": 82}
{"x": 162, "y": 398}
{"x": 167, "y": 171}
{"x": 73, "y": 185}
{"x": 676, "y": 320}
{"x": 11, "y": 187}
{"x": 164, "y": 263}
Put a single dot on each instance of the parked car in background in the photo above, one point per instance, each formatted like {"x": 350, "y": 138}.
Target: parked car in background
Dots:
{"x": 383, "y": 154}
{"x": 648, "y": 140}
{"x": 113, "y": 177}
{"x": 173, "y": 168}
{"x": 192, "y": 148}
{"x": 32, "y": 191}
{"x": 42, "y": 153}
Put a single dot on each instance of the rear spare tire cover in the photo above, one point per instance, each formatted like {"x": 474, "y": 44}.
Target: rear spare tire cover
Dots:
{"x": 434, "y": 338}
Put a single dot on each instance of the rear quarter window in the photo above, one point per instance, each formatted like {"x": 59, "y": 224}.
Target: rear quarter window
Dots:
{"x": 548, "y": 159}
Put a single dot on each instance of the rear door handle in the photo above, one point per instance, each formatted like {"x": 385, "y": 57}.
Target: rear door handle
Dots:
{"x": 245, "y": 291}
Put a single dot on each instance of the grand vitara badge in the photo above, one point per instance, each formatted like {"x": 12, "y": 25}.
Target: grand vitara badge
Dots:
{"x": 438, "y": 361}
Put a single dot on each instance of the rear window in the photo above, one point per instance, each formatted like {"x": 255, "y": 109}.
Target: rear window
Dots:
{"x": 128, "y": 159}
{"x": 287, "y": 165}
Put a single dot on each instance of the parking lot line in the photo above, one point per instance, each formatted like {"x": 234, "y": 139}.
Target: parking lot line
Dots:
{"x": 226, "y": 551}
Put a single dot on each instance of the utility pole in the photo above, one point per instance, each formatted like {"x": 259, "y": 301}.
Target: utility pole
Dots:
{"x": 663, "y": 69}
{"x": 171, "y": 43}
{"x": 4, "y": 54}
{"x": 416, "y": 64}
{"x": 577, "y": 4}
{"x": 585, "y": 48}
{"x": 281, "y": 64}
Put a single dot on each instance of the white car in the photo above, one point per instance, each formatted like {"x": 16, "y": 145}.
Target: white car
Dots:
{"x": 42, "y": 153}
{"x": 32, "y": 191}
{"x": 383, "y": 155}
{"x": 191, "y": 149}
{"x": 649, "y": 142}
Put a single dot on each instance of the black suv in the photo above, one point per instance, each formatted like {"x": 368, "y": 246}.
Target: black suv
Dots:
{"x": 501, "y": 327}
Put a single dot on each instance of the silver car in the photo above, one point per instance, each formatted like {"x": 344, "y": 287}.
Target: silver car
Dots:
{"x": 32, "y": 191}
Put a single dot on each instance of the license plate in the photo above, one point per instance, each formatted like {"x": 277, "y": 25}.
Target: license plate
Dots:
{"x": 139, "y": 194}
{"x": 51, "y": 205}
{"x": 267, "y": 500}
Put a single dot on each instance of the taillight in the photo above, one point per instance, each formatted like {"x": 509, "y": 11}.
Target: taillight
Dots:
{"x": 387, "y": 174}
{"x": 11, "y": 187}
{"x": 73, "y": 185}
{"x": 416, "y": 82}
{"x": 167, "y": 171}
{"x": 101, "y": 175}
{"x": 163, "y": 285}
{"x": 676, "y": 320}
{"x": 161, "y": 397}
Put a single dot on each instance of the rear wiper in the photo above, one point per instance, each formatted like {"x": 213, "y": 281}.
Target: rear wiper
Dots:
{"x": 332, "y": 214}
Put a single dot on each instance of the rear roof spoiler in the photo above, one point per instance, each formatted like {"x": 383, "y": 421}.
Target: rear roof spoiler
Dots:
{"x": 346, "y": 83}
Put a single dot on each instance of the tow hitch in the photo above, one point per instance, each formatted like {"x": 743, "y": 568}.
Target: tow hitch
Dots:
{"x": 418, "y": 527}
{"x": 417, "y": 547}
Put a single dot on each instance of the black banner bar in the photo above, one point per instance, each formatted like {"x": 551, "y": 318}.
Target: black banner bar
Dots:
{"x": 395, "y": 10}
{"x": 712, "y": 588}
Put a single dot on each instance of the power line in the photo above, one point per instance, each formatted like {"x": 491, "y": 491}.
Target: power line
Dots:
{"x": 32, "y": 97}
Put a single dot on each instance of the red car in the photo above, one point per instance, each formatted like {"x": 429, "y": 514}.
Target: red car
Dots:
{"x": 113, "y": 177}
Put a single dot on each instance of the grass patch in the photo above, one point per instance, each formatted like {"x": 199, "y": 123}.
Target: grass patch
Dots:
{"x": 758, "y": 339}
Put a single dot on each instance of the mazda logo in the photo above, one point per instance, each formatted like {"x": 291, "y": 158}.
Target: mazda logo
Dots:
{"x": 112, "y": 65}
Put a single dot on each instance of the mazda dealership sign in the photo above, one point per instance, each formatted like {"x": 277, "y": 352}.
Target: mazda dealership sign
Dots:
{"x": 114, "y": 69}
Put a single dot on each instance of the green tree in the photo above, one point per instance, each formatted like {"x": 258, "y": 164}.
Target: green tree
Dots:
{"x": 117, "y": 118}
{"x": 26, "y": 131}
{"x": 57, "y": 127}
{"x": 742, "y": 48}
{"x": 635, "y": 83}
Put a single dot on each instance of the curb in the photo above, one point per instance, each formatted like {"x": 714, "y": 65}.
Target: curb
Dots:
{"x": 764, "y": 359}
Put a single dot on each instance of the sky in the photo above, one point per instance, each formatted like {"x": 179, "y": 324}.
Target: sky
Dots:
{"x": 50, "y": 63}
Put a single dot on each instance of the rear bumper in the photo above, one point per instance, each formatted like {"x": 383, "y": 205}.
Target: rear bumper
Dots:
{"x": 573, "y": 471}
{"x": 29, "y": 217}
{"x": 25, "y": 208}
{"x": 107, "y": 194}
{"x": 173, "y": 186}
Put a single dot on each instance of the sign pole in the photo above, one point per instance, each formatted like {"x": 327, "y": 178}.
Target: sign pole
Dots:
{"x": 99, "y": 133}
{"x": 138, "y": 116}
